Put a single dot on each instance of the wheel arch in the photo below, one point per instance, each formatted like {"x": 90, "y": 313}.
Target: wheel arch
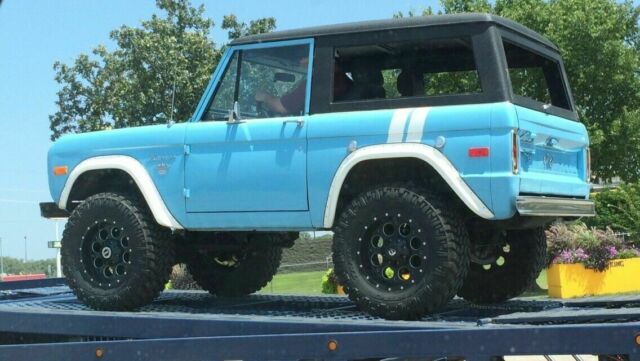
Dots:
{"x": 424, "y": 154}
{"x": 104, "y": 173}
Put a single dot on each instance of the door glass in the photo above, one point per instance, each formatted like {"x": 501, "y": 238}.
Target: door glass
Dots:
{"x": 223, "y": 100}
{"x": 270, "y": 82}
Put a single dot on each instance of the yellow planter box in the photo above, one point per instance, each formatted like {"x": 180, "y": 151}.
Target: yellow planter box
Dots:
{"x": 574, "y": 280}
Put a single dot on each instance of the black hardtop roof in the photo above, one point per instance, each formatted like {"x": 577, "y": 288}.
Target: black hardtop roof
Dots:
{"x": 392, "y": 24}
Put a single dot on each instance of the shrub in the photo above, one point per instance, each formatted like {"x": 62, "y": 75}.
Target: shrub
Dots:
{"x": 578, "y": 243}
{"x": 181, "y": 279}
{"x": 329, "y": 282}
{"x": 618, "y": 209}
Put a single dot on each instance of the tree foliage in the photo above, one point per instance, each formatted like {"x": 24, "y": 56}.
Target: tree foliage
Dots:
{"x": 237, "y": 29}
{"x": 14, "y": 266}
{"x": 619, "y": 209}
{"x": 600, "y": 44}
{"x": 133, "y": 84}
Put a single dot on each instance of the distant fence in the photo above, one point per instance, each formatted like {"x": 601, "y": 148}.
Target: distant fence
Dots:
{"x": 622, "y": 235}
{"x": 307, "y": 254}
{"x": 307, "y": 266}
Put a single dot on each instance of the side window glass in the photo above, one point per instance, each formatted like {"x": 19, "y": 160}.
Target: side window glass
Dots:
{"x": 273, "y": 81}
{"x": 223, "y": 99}
{"x": 268, "y": 82}
{"x": 405, "y": 69}
{"x": 535, "y": 76}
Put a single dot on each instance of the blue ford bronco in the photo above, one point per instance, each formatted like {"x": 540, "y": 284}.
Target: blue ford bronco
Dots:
{"x": 436, "y": 149}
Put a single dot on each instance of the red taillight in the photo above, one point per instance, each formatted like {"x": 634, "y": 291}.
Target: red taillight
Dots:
{"x": 479, "y": 152}
{"x": 588, "y": 164}
{"x": 515, "y": 152}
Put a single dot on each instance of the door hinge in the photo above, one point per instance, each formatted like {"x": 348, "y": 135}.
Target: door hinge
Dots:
{"x": 186, "y": 192}
{"x": 187, "y": 149}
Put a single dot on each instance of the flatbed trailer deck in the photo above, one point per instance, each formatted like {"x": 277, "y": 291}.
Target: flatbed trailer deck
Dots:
{"x": 42, "y": 320}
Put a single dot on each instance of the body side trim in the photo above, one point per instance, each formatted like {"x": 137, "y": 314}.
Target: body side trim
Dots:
{"x": 420, "y": 151}
{"x": 137, "y": 172}
{"x": 397, "y": 125}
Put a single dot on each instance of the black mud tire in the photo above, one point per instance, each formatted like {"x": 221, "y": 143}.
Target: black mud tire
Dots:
{"x": 145, "y": 258}
{"x": 254, "y": 269}
{"x": 526, "y": 257}
{"x": 444, "y": 240}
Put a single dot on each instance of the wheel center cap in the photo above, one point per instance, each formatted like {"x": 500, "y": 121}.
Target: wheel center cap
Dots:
{"x": 106, "y": 253}
{"x": 392, "y": 252}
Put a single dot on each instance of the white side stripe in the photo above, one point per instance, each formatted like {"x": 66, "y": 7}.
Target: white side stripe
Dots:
{"x": 396, "y": 128}
{"x": 416, "y": 125}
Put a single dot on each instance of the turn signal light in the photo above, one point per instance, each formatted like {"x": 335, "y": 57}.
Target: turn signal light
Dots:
{"x": 60, "y": 170}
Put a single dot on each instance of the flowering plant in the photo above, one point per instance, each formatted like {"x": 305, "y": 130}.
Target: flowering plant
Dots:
{"x": 594, "y": 248}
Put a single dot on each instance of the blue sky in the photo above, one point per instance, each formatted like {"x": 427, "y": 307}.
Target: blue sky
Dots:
{"x": 34, "y": 34}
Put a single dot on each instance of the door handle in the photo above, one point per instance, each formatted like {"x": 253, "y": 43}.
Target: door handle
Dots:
{"x": 298, "y": 121}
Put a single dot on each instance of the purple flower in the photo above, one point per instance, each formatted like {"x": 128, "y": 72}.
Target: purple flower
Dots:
{"x": 612, "y": 251}
{"x": 580, "y": 255}
{"x": 567, "y": 256}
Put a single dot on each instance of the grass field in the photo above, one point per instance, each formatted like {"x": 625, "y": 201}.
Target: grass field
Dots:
{"x": 301, "y": 282}
{"x": 310, "y": 283}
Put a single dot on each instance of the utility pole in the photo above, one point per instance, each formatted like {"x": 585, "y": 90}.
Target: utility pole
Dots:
{"x": 25, "y": 249}
{"x": 58, "y": 256}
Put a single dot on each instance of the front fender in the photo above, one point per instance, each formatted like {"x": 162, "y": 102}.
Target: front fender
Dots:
{"x": 139, "y": 175}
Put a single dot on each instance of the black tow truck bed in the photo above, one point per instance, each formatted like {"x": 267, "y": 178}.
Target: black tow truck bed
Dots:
{"x": 42, "y": 320}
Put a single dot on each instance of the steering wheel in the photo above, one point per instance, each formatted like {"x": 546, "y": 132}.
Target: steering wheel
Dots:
{"x": 262, "y": 110}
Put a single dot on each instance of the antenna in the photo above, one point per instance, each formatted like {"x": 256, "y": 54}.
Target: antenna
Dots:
{"x": 173, "y": 102}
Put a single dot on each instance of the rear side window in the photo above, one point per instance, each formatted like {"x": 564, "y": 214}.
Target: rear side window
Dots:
{"x": 405, "y": 69}
{"x": 536, "y": 77}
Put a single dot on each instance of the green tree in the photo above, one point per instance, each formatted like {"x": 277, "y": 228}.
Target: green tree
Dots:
{"x": 133, "y": 85}
{"x": 619, "y": 209}
{"x": 16, "y": 266}
{"x": 237, "y": 29}
{"x": 600, "y": 44}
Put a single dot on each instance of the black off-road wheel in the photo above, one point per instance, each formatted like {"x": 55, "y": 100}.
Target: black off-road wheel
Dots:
{"x": 505, "y": 267}
{"x": 234, "y": 274}
{"x": 400, "y": 254}
{"x": 114, "y": 255}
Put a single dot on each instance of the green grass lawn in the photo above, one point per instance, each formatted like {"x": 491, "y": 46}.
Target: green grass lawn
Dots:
{"x": 310, "y": 283}
{"x": 301, "y": 282}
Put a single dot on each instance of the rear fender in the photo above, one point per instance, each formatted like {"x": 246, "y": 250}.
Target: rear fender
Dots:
{"x": 405, "y": 150}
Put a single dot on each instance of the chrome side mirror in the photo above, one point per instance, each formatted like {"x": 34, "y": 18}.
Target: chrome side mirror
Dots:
{"x": 234, "y": 115}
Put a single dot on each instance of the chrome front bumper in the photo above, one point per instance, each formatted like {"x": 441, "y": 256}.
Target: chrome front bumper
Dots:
{"x": 556, "y": 207}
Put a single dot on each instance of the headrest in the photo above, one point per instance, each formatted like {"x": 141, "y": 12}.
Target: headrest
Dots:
{"x": 367, "y": 76}
{"x": 408, "y": 84}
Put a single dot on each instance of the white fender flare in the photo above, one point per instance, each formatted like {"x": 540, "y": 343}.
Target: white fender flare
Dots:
{"x": 139, "y": 175}
{"x": 404, "y": 150}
